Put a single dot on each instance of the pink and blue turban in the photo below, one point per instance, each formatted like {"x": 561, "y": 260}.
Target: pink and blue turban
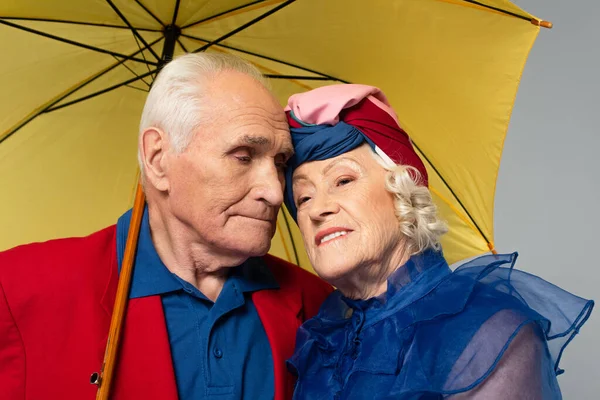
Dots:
{"x": 332, "y": 120}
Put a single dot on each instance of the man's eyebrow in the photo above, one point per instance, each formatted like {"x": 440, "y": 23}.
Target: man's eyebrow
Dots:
{"x": 256, "y": 140}
{"x": 288, "y": 151}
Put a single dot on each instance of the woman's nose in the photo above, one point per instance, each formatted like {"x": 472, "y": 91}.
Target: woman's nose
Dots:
{"x": 323, "y": 207}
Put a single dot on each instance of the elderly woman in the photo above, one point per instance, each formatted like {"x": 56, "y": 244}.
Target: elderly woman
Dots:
{"x": 401, "y": 324}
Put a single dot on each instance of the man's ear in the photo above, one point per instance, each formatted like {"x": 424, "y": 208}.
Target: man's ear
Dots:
{"x": 154, "y": 150}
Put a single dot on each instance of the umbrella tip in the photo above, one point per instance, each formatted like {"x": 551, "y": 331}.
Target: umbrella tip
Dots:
{"x": 543, "y": 24}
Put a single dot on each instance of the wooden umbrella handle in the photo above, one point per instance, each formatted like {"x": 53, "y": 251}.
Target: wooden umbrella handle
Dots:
{"x": 104, "y": 379}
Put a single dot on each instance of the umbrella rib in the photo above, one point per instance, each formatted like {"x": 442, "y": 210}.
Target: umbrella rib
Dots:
{"x": 498, "y": 9}
{"x": 72, "y": 42}
{"x": 133, "y": 72}
{"x": 285, "y": 247}
{"x": 69, "y": 92}
{"x": 142, "y": 52}
{"x": 453, "y": 193}
{"x": 332, "y": 78}
{"x": 245, "y": 26}
{"x": 182, "y": 46}
{"x": 137, "y": 88}
{"x": 135, "y": 32}
{"x": 150, "y": 12}
{"x": 297, "y": 77}
{"x": 222, "y": 13}
{"x": 287, "y": 224}
{"x": 98, "y": 93}
{"x": 174, "y": 19}
{"x": 64, "y": 21}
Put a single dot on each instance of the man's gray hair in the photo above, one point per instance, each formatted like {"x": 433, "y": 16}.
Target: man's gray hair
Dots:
{"x": 177, "y": 104}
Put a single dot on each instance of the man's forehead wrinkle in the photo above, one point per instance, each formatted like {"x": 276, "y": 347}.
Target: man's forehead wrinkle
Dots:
{"x": 256, "y": 123}
{"x": 254, "y": 111}
{"x": 247, "y": 125}
{"x": 246, "y": 119}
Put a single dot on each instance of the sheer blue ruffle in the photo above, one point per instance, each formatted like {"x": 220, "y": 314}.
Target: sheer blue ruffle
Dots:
{"x": 434, "y": 332}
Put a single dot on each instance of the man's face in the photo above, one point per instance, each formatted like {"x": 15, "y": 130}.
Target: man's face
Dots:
{"x": 226, "y": 188}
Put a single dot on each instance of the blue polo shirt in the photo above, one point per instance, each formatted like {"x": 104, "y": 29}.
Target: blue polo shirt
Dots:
{"x": 219, "y": 350}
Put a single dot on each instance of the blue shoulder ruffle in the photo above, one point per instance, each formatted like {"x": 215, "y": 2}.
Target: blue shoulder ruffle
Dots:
{"x": 435, "y": 331}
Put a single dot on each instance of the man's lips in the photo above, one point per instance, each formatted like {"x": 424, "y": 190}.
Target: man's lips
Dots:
{"x": 329, "y": 234}
{"x": 270, "y": 221}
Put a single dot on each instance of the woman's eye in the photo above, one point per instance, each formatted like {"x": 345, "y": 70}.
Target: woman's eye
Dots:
{"x": 344, "y": 181}
{"x": 302, "y": 200}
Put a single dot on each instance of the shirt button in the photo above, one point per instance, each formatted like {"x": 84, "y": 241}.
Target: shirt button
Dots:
{"x": 218, "y": 352}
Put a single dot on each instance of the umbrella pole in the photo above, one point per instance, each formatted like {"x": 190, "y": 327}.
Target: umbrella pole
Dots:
{"x": 104, "y": 379}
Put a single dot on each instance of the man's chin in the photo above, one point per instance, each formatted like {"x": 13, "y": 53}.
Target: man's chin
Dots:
{"x": 256, "y": 247}
{"x": 264, "y": 247}
{"x": 260, "y": 230}
{"x": 253, "y": 238}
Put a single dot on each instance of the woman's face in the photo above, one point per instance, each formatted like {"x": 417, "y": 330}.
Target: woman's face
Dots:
{"x": 345, "y": 215}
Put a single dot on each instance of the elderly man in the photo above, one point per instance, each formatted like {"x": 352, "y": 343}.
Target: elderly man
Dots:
{"x": 210, "y": 315}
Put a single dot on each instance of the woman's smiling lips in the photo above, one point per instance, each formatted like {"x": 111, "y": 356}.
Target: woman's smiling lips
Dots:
{"x": 329, "y": 234}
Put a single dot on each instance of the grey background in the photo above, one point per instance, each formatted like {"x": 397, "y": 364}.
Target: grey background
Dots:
{"x": 548, "y": 192}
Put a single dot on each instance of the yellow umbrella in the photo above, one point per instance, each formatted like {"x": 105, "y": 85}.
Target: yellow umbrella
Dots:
{"x": 75, "y": 75}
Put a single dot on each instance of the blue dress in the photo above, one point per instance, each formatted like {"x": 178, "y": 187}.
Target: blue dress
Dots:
{"x": 435, "y": 333}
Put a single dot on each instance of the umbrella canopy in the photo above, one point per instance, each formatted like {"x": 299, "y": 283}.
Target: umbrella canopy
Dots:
{"x": 75, "y": 74}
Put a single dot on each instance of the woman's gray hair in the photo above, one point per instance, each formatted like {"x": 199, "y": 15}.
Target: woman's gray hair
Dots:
{"x": 177, "y": 101}
{"x": 415, "y": 209}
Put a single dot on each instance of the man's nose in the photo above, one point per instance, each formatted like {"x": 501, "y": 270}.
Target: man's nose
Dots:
{"x": 269, "y": 186}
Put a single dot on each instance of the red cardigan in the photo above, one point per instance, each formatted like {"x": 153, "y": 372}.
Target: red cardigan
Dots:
{"x": 56, "y": 300}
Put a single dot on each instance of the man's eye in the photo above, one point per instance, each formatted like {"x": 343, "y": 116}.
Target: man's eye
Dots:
{"x": 244, "y": 159}
{"x": 243, "y": 154}
{"x": 280, "y": 162}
